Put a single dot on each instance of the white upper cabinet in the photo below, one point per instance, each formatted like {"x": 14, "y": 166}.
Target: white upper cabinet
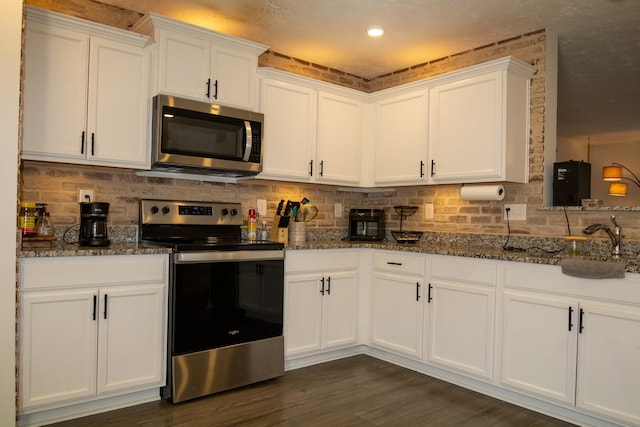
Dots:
{"x": 339, "y": 139}
{"x": 312, "y": 131}
{"x": 401, "y": 139}
{"x": 479, "y": 124}
{"x": 289, "y": 137}
{"x": 201, "y": 64}
{"x": 86, "y": 97}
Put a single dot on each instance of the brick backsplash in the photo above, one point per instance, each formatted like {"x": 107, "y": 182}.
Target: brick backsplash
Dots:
{"x": 58, "y": 184}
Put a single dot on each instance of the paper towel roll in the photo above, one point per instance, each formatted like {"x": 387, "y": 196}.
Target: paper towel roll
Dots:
{"x": 482, "y": 192}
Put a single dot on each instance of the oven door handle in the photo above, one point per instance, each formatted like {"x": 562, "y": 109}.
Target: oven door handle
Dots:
{"x": 227, "y": 256}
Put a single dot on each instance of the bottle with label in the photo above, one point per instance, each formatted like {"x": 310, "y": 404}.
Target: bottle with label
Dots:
{"x": 252, "y": 225}
{"x": 264, "y": 235}
{"x": 27, "y": 219}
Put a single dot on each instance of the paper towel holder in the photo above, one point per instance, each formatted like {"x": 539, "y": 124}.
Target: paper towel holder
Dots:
{"x": 482, "y": 192}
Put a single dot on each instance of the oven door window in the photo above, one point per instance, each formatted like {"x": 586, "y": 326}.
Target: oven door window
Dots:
{"x": 226, "y": 303}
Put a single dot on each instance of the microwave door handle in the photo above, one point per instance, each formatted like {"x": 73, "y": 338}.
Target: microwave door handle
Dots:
{"x": 249, "y": 144}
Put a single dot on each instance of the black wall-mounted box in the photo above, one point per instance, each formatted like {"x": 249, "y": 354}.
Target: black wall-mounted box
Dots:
{"x": 571, "y": 183}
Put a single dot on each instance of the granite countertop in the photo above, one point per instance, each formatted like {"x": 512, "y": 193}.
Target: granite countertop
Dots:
{"x": 534, "y": 256}
{"x": 72, "y": 249}
{"x": 477, "y": 247}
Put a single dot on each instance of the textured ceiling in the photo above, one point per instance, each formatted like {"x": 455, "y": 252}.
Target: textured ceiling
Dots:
{"x": 599, "y": 41}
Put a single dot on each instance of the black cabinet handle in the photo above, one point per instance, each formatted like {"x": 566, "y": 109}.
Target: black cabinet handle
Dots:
{"x": 93, "y": 143}
{"x": 208, "y": 94}
{"x": 321, "y": 167}
{"x": 429, "y": 293}
{"x": 433, "y": 168}
{"x": 82, "y": 143}
{"x": 310, "y": 167}
{"x": 95, "y": 305}
{"x": 329, "y": 285}
{"x": 322, "y": 289}
{"x": 570, "y": 317}
{"x": 417, "y": 291}
{"x": 581, "y": 321}
{"x": 394, "y": 263}
{"x": 215, "y": 86}
{"x": 105, "y": 306}
{"x": 421, "y": 168}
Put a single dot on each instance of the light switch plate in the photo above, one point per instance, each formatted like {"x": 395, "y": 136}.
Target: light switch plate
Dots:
{"x": 261, "y": 206}
{"x": 517, "y": 211}
{"x": 428, "y": 211}
{"x": 337, "y": 208}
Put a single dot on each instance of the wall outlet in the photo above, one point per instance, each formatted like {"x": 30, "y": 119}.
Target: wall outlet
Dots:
{"x": 428, "y": 211}
{"x": 337, "y": 210}
{"x": 517, "y": 211}
{"x": 85, "y": 195}
{"x": 261, "y": 206}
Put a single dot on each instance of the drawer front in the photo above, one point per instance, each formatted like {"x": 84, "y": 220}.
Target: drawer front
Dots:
{"x": 460, "y": 269}
{"x": 304, "y": 261}
{"x": 400, "y": 262}
{"x": 66, "y": 272}
{"x": 549, "y": 278}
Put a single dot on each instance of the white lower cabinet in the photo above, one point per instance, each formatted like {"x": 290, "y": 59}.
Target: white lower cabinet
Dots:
{"x": 608, "y": 380}
{"x": 321, "y": 301}
{"x": 90, "y": 327}
{"x": 562, "y": 345}
{"x": 570, "y": 341}
{"x": 461, "y": 320}
{"x": 397, "y": 305}
{"x": 539, "y": 349}
{"x": 57, "y": 326}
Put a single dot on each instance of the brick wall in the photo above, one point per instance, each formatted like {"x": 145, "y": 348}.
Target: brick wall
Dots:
{"x": 58, "y": 184}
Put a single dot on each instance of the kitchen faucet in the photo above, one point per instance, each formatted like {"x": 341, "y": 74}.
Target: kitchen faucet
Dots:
{"x": 615, "y": 235}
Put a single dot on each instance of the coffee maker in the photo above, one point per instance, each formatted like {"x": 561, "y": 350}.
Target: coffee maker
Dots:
{"x": 366, "y": 224}
{"x": 93, "y": 224}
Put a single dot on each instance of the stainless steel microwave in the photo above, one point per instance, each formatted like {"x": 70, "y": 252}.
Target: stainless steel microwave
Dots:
{"x": 201, "y": 138}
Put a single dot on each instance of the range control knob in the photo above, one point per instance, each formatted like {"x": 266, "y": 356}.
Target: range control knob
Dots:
{"x": 234, "y": 212}
{"x": 154, "y": 210}
{"x": 224, "y": 212}
{"x": 165, "y": 210}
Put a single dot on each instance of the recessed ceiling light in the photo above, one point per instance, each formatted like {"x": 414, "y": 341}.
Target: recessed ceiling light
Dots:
{"x": 375, "y": 31}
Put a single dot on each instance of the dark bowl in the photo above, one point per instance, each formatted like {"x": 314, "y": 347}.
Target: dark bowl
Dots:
{"x": 405, "y": 236}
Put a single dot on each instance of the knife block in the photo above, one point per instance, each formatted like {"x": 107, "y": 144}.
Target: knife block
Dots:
{"x": 279, "y": 234}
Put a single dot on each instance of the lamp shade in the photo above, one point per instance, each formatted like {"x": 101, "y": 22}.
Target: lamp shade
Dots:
{"x": 617, "y": 189}
{"x": 612, "y": 173}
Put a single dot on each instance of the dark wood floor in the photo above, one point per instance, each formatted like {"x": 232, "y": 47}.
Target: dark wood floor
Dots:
{"x": 357, "y": 391}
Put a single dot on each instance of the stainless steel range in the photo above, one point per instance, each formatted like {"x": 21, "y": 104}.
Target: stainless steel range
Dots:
{"x": 225, "y": 297}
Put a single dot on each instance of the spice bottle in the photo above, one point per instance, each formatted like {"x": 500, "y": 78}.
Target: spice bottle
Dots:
{"x": 252, "y": 224}
{"x": 27, "y": 219}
